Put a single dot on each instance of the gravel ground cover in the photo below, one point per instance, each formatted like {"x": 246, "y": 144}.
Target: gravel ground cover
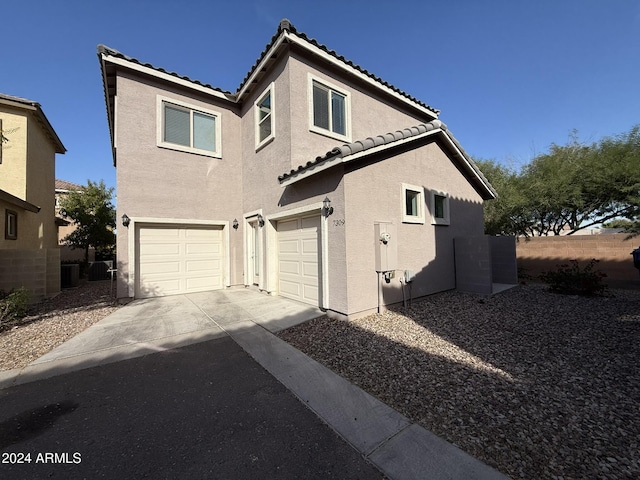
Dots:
{"x": 55, "y": 321}
{"x": 535, "y": 384}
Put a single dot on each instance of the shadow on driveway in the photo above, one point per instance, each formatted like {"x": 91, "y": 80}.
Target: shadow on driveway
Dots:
{"x": 205, "y": 411}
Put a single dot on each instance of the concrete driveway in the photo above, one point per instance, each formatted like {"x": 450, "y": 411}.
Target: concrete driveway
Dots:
{"x": 379, "y": 434}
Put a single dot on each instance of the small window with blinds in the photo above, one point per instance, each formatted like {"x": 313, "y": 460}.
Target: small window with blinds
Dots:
{"x": 187, "y": 128}
{"x": 329, "y": 110}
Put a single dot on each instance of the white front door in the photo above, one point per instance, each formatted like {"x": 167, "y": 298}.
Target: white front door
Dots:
{"x": 255, "y": 257}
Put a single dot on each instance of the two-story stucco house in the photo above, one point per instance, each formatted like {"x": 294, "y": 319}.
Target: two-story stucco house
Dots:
{"x": 29, "y": 252}
{"x": 315, "y": 180}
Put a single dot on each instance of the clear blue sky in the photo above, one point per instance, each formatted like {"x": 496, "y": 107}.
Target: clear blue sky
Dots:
{"x": 510, "y": 77}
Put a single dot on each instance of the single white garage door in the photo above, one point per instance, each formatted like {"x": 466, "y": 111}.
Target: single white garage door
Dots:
{"x": 173, "y": 260}
{"x": 298, "y": 271}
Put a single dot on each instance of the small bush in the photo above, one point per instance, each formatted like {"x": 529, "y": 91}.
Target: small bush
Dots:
{"x": 570, "y": 279}
{"x": 13, "y": 306}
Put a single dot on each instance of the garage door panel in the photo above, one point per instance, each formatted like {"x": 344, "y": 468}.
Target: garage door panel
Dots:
{"x": 287, "y": 225}
{"x": 310, "y": 269}
{"x": 173, "y": 260}
{"x": 211, "y": 282}
{"x": 159, "y": 288}
{"x": 161, "y": 249}
{"x": 288, "y": 246}
{"x": 291, "y": 289}
{"x": 161, "y": 268}
{"x": 310, "y": 293}
{"x": 309, "y": 246}
{"x": 203, "y": 266}
{"x": 202, "y": 248}
{"x": 289, "y": 267}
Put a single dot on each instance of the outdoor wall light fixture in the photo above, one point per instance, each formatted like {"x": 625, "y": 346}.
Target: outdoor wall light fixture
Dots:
{"x": 327, "y": 209}
{"x": 126, "y": 220}
{"x": 235, "y": 223}
{"x": 260, "y": 220}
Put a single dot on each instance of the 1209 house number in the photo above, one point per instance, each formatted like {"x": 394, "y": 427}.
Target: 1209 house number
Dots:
{"x": 339, "y": 222}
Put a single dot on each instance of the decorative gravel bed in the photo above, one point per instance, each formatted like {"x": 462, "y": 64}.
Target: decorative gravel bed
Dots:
{"x": 535, "y": 384}
{"x": 55, "y": 321}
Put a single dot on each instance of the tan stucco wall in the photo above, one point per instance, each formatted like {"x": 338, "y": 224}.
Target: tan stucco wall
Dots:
{"x": 27, "y": 172}
{"x": 374, "y": 194}
{"x": 41, "y": 186}
{"x": 370, "y": 115}
{"x": 162, "y": 183}
{"x": 13, "y": 170}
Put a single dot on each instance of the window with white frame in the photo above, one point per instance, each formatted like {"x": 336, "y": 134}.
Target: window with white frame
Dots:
{"x": 329, "y": 110}
{"x": 10, "y": 225}
{"x": 188, "y": 128}
{"x": 265, "y": 119}
{"x": 412, "y": 204}
{"x": 440, "y": 208}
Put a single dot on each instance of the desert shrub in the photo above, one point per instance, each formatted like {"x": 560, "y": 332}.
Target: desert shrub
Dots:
{"x": 570, "y": 279}
{"x": 13, "y": 306}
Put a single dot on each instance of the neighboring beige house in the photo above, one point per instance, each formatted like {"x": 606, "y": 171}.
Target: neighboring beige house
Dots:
{"x": 67, "y": 253}
{"x": 290, "y": 185}
{"x": 29, "y": 252}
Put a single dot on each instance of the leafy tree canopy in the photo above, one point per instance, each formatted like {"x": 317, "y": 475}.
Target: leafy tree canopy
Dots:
{"x": 570, "y": 188}
{"x": 91, "y": 210}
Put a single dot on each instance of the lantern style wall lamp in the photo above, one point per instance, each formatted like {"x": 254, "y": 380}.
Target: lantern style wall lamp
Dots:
{"x": 327, "y": 209}
{"x": 260, "y": 220}
{"x": 235, "y": 223}
{"x": 126, "y": 220}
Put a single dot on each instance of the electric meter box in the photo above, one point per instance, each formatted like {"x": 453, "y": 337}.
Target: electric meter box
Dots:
{"x": 386, "y": 246}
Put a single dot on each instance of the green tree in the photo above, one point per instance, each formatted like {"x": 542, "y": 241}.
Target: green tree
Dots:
{"x": 570, "y": 188}
{"x": 94, "y": 216}
{"x": 504, "y": 215}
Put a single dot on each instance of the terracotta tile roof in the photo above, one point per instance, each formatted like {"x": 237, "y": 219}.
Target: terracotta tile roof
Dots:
{"x": 41, "y": 117}
{"x": 103, "y": 49}
{"x": 384, "y": 142}
{"x": 64, "y": 185}
{"x": 19, "y": 100}
{"x": 284, "y": 26}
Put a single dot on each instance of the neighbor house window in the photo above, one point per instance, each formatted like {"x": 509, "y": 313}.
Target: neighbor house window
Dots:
{"x": 10, "y": 225}
{"x": 265, "y": 120}
{"x": 440, "y": 208}
{"x": 413, "y": 204}
{"x": 329, "y": 109}
{"x": 187, "y": 128}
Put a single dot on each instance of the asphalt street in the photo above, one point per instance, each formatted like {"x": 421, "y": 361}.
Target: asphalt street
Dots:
{"x": 206, "y": 410}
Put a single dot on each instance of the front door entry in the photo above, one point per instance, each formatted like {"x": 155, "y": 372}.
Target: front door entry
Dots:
{"x": 255, "y": 259}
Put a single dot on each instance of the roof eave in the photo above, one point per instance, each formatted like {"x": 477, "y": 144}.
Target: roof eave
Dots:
{"x": 18, "y": 202}
{"x": 485, "y": 189}
{"x": 356, "y": 73}
{"x": 41, "y": 118}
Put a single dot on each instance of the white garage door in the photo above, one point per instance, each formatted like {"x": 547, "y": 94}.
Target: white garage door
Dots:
{"x": 298, "y": 271}
{"x": 173, "y": 260}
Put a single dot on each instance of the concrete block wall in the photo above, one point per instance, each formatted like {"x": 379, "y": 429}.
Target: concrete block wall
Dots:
{"x": 37, "y": 270}
{"x": 540, "y": 254}
{"x": 473, "y": 264}
{"x": 503, "y": 260}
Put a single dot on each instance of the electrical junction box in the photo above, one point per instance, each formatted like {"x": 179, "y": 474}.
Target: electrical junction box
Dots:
{"x": 386, "y": 246}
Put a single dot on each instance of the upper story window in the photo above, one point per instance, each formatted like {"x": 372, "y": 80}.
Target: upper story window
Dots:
{"x": 440, "y": 208}
{"x": 413, "y": 204}
{"x": 265, "y": 119}
{"x": 329, "y": 109}
{"x": 188, "y": 128}
{"x": 10, "y": 225}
